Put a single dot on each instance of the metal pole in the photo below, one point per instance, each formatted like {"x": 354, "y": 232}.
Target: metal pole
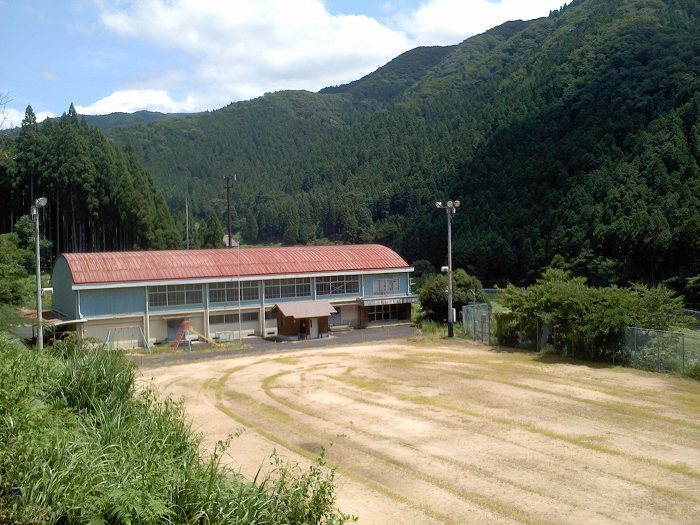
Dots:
{"x": 228, "y": 210}
{"x": 39, "y": 313}
{"x": 450, "y": 320}
{"x": 450, "y": 207}
{"x": 238, "y": 250}
{"x": 474, "y": 309}
{"x": 187, "y": 225}
{"x": 682, "y": 353}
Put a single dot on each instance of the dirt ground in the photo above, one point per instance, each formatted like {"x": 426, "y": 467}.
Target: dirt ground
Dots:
{"x": 448, "y": 433}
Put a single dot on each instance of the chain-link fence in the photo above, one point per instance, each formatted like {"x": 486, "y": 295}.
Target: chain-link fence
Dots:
{"x": 643, "y": 348}
{"x": 514, "y": 331}
{"x": 476, "y": 320}
{"x": 662, "y": 351}
{"x": 695, "y": 315}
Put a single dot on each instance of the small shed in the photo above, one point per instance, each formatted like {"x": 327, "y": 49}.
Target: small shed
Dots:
{"x": 303, "y": 319}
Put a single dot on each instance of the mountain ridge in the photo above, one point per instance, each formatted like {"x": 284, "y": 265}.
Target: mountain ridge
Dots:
{"x": 572, "y": 138}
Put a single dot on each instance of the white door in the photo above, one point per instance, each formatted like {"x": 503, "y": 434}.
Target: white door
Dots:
{"x": 313, "y": 328}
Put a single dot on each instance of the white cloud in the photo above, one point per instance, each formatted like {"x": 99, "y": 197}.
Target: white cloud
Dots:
{"x": 12, "y": 118}
{"x": 131, "y": 100}
{"x": 445, "y": 22}
{"x": 241, "y": 49}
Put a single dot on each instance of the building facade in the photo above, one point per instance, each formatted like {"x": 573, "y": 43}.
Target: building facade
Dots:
{"x": 228, "y": 293}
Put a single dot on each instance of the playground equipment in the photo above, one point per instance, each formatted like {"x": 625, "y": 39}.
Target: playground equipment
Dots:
{"x": 118, "y": 334}
{"x": 186, "y": 328}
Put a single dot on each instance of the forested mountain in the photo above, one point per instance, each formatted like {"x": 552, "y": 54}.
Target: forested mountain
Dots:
{"x": 105, "y": 122}
{"x": 99, "y": 197}
{"x": 572, "y": 139}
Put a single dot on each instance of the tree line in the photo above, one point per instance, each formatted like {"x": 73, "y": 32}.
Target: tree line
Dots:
{"x": 99, "y": 196}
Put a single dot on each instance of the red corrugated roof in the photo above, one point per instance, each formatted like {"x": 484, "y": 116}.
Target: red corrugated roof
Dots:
{"x": 117, "y": 267}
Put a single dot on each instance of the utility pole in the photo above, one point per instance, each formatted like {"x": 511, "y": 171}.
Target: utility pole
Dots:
{"x": 451, "y": 208}
{"x": 228, "y": 208}
{"x": 187, "y": 225}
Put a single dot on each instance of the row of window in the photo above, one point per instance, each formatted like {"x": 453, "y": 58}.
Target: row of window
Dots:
{"x": 386, "y": 287}
{"x": 232, "y": 319}
{"x": 228, "y": 292}
{"x": 384, "y": 312}
{"x": 284, "y": 288}
{"x": 337, "y": 285}
{"x": 175, "y": 295}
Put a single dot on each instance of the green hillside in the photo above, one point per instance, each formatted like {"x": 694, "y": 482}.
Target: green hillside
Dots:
{"x": 105, "y": 122}
{"x": 572, "y": 138}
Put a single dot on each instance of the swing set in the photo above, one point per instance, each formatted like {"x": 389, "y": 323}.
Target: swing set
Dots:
{"x": 130, "y": 335}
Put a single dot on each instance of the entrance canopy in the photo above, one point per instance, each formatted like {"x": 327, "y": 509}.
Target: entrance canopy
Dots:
{"x": 304, "y": 309}
{"x": 379, "y": 301}
{"x": 52, "y": 318}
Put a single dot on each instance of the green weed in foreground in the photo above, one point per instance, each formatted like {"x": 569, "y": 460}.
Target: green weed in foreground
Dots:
{"x": 79, "y": 445}
{"x": 433, "y": 328}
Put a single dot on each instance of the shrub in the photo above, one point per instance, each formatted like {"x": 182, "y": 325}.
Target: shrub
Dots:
{"x": 586, "y": 320}
{"x": 693, "y": 370}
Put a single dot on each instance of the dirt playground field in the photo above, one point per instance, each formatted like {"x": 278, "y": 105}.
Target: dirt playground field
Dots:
{"x": 428, "y": 433}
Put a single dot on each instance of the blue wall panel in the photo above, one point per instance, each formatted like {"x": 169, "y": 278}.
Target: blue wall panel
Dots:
{"x": 368, "y": 283}
{"x": 114, "y": 301}
{"x": 64, "y": 298}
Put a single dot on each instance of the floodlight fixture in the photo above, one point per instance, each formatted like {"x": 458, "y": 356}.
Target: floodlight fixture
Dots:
{"x": 41, "y": 202}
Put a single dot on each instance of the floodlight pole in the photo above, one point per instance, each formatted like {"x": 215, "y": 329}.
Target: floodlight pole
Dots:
{"x": 39, "y": 203}
{"x": 238, "y": 260}
{"x": 451, "y": 208}
{"x": 228, "y": 210}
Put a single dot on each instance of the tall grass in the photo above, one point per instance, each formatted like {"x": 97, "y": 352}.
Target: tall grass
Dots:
{"x": 78, "y": 444}
{"x": 433, "y": 328}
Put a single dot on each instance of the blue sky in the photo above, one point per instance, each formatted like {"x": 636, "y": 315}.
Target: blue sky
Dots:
{"x": 194, "y": 55}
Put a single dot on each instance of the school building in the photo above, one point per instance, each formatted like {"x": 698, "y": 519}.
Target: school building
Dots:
{"x": 225, "y": 294}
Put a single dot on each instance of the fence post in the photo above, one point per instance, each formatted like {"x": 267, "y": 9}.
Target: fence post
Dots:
{"x": 658, "y": 351}
{"x": 682, "y": 353}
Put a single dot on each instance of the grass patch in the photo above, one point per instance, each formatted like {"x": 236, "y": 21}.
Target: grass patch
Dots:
{"x": 79, "y": 444}
{"x": 432, "y": 329}
{"x": 371, "y": 384}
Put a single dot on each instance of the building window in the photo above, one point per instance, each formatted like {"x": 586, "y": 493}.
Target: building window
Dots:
{"x": 270, "y": 316}
{"x": 193, "y": 294}
{"x": 338, "y": 285}
{"x": 228, "y": 292}
{"x": 158, "y": 296}
{"x": 386, "y": 287}
{"x": 233, "y": 318}
{"x": 383, "y": 312}
{"x": 175, "y": 295}
{"x": 285, "y": 288}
